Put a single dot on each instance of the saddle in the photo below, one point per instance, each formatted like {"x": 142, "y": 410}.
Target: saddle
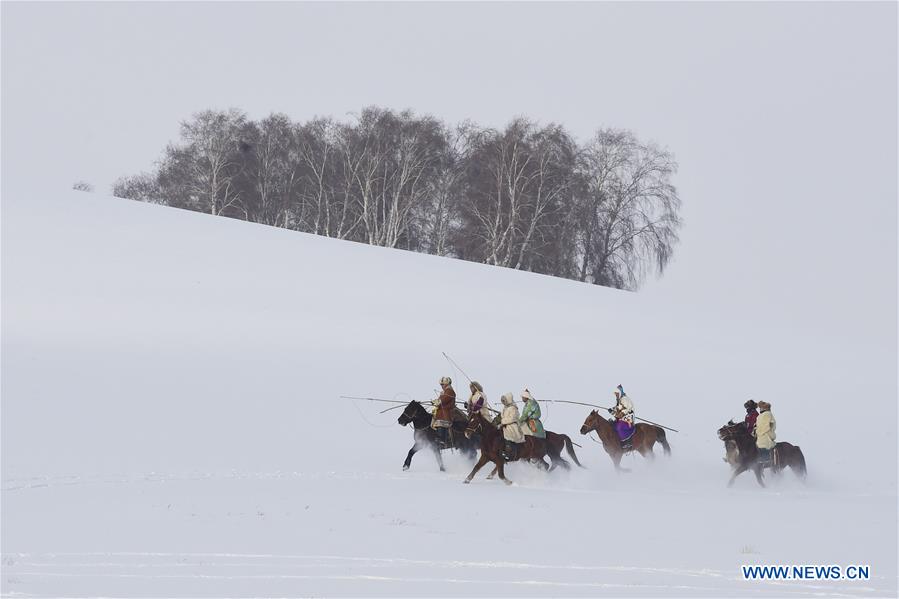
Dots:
{"x": 772, "y": 460}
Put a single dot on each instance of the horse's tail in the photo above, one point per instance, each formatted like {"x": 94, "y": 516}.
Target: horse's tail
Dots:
{"x": 800, "y": 463}
{"x": 570, "y": 449}
{"x": 661, "y": 438}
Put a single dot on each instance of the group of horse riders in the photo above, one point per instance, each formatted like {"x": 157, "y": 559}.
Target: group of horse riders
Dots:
{"x": 760, "y": 423}
{"x": 515, "y": 424}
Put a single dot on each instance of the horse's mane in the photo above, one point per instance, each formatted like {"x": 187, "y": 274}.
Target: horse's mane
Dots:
{"x": 599, "y": 418}
{"x": 419, "y": 409}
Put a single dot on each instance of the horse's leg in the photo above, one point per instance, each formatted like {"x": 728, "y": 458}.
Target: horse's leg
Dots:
{"x": 616, "y": 459}
{"x": 411, "y": 453}
{"x": 645, "y": 450}
{"x": 648, "y": 453}
{"x": 493, "y": 473}
{"x": 758, "y": 475}
{"x": 439, "y": 457}
{"x": 500, "y": 468}
{"x": 480, "y": 464}
{"x": 557, "y": 460}
{"x": 737, "y": 472}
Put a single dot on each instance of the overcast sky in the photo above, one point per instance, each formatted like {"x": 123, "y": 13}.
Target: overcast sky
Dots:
{"x": 783, "y": 116}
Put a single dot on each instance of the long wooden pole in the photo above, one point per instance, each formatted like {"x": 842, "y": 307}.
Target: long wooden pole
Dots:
{"x": 372, "y": 399}
{"x": 580, "y": 403}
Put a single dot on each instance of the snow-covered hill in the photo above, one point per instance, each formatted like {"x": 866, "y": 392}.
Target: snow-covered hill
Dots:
{"x": 171, "y": 423}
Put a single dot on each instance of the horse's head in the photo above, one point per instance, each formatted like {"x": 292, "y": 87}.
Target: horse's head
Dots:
{"x": 591, "y": 422}
{"x": 474, "y": 425}
{"x": 409, "y": 413}
{"x": 732, "y": 430}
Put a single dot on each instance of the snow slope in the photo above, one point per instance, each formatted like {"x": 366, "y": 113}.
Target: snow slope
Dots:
{"x": 171, "y": 423}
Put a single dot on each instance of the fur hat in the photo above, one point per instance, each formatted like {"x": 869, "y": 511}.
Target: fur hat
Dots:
{"x": 507, "y": 399}
{"x": 526, "y": 394}
{"x": 477, "y": 386}
{"x": 446, "y": 380}
{"x": 750, "y": 405}
{"x": 764, "y": 405}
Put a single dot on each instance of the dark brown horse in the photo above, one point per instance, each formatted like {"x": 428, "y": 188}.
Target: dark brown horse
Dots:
{"x": 426, "y": 437}
{"x": 555, "y": 443}
{"x": 743, "y": 454}
{"x": 645, "y": 436}
{"x": 492, "y": 445}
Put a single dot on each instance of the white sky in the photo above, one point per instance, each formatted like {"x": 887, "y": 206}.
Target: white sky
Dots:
{"x": 783, "y": 116}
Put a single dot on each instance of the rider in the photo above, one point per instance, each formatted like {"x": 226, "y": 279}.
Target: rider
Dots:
{"x": 623, "y": 414}
{"x": 764, "y": 432}
{"x": 530, "y": 416}
{"x": 478, "y": 402}
{"x": 509, "y": 424}
{"x": 751, "y": 414}
{"x": 442, "y": 419}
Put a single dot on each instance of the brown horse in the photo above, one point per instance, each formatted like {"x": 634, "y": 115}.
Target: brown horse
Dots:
{"x": 555, "y": 443}
{"x": 743, "y": 454}
{"x": 492, "y": 445}
{"x": 645, "y": 436}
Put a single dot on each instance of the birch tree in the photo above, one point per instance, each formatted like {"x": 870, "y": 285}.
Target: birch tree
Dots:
{"x": 201, "y": 171}
{"x": 630, "y": 210}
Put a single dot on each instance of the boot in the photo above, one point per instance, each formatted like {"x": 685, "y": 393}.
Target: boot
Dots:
{"x": 507, "y": 450}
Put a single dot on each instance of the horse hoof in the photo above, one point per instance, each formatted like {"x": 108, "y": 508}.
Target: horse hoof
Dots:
{"x": 467, "y": 481}
{"x": 405, "y": 468}
{"x": 508, "y": 482}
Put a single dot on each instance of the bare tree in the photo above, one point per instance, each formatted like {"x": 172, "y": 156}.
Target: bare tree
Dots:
{"x": 525, "y": 197}
{"x": 390, "y": 163}
{"x": 630, "y": 209}
{"x": 271, "y": 169}
{"x": 516, "y": 185}
{"x": 201, "y": 172}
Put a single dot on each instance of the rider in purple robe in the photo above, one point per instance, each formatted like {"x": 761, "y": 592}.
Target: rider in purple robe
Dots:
{"x": 623, "y": 413}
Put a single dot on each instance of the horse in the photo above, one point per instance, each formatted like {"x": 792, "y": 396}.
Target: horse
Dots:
{"x": 555, "y": 443}
{"x": 492, "y": 445}
{"x": 743, "y": 454}
{"x": 644, "y": 438}
{"x": 425, "y": 436}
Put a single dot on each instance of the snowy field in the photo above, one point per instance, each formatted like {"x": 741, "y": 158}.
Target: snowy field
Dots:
{"x": 171, "y": 424}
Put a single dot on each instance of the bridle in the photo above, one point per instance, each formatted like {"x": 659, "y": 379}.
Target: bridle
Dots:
{"x": 474, "y": 425}
{"x": 410, "y": 418}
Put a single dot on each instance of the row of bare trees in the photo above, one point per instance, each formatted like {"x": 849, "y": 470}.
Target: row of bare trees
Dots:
{"x": 527, "y": 196}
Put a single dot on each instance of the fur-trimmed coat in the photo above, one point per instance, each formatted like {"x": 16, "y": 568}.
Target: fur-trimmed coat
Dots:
{"x": 509, "y": 420}
{"x": 764, "y": 430}
{"x": 624, "y": 410}
{"x": 478, "y": 403}
{"x": 445, "y": 404}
